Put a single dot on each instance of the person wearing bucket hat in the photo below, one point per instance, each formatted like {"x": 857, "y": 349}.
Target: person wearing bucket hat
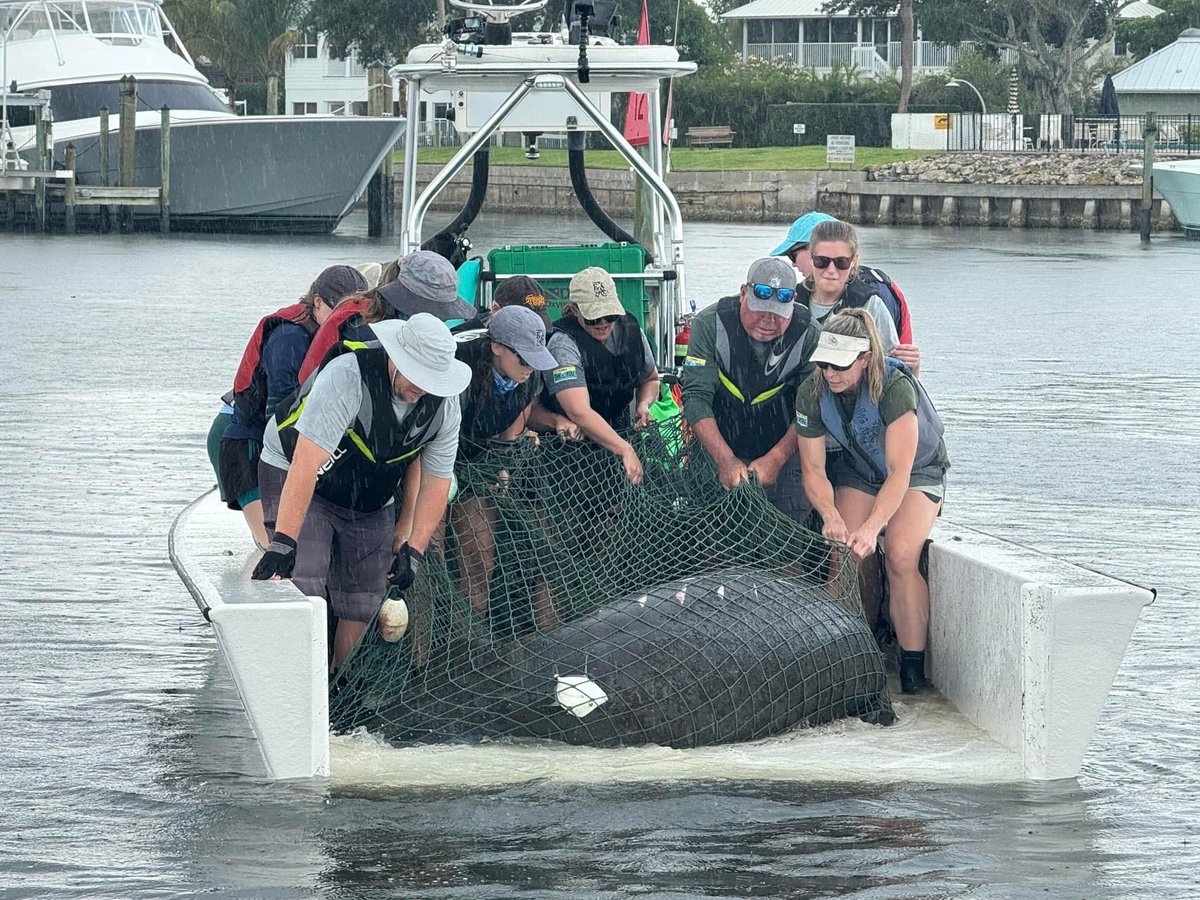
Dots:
{"x": 425, "y": 283}
{"x": 796, "y": 248}
{"x": 606, "y": 379}
{"x": 504, "y": 362}
{"x": 891, "y": 471}
{"x": 746, "y": 355}
{"x": 335, "y": 455}
{"x": 268, "y": 372}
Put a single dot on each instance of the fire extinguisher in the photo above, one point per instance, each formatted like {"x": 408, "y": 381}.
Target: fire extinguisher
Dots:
{"x": 683, "y": 334}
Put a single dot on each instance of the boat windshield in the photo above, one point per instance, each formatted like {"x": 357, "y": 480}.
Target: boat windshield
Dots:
{"x": 83, "y": 101}
{"x": 112, "y": 21}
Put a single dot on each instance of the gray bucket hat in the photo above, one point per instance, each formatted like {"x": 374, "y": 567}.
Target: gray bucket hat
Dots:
{"x": 426, "y": 283}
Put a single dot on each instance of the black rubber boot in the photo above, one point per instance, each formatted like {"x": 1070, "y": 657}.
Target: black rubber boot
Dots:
{"x": 912, "y": 673}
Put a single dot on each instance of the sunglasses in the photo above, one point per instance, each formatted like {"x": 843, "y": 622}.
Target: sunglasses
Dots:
{"x": 603, "y": 320}
{"x": 516, "y": 353}
{"x": 829, "y": 365}
{"x": 766, "y": 292}
{"x": 842, "y": 262}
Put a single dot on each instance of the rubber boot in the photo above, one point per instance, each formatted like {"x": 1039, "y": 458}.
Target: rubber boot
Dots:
{"x": 912, "y": 673}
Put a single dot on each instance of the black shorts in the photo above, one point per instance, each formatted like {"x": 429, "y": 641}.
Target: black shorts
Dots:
{"x": 239, "y": 471}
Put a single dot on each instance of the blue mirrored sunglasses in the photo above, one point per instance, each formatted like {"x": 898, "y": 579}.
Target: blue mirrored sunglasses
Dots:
{"x": 766, "y": 292}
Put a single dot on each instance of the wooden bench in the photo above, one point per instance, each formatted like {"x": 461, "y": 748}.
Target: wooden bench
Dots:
{"x": 710, "y": 136}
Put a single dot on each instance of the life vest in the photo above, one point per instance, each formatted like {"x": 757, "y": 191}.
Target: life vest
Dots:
{"x": 855, "y": 296}
{"x": 892, "y": 297}
{"x": 484, "y": 414}
{"x": 862, "y": 434}
{"x": 364, "y": 471}
{"x": 753, "y": 406}
{"x": 330, "y": 334}
{"x": 250, "y": 383}
{"x": 612, "y": 379}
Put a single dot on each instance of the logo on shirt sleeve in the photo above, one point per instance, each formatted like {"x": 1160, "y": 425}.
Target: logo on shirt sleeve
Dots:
{"x": 801, "y": 420}
{"x": 565, "y": 373}
{"x": 695, "y": 361}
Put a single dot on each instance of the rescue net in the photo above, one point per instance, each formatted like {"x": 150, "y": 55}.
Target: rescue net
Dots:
{"x": 570, "y": 604}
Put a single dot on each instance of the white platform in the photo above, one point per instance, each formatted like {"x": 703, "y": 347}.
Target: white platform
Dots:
{"x": 1023, "y": 646}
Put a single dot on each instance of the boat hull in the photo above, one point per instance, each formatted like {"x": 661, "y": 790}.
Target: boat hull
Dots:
{"x": 1179, "y": 184}
{"x": 249, "y": 174}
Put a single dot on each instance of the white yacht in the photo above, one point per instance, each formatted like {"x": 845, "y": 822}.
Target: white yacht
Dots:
{"x": 228, "y": 172}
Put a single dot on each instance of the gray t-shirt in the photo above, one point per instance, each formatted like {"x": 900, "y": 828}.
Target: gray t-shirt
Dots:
{"x": 879, "y": 312}
{"x": 337, "y": 399}
{"x": 569, "y": 373}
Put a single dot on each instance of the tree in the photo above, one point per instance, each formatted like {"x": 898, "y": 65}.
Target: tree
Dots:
{"x": 1055, "y": 40}
{"x": 378, "y": 29}
{"x": 884, "y": 9}
{"x": 1144, "y": 36}
{"x": 245, "y": 38}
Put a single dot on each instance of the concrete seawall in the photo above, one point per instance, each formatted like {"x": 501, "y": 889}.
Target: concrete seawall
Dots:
{"x": 781, "y": 196}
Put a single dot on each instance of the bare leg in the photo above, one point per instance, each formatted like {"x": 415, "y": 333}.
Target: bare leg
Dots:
{"x": 475, "y": 528}
{"x": 906, "y": 535}
{"x": 854, "y": 507}
{"x": 344, "y": 640}
{"x": 545, "y": 616}
{"x": 253, "y": 512}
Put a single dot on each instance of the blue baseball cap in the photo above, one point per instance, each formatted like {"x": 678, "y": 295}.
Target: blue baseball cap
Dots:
{"x": 801, "y": 231}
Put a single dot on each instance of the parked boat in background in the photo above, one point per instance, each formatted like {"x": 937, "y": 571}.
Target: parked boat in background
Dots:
{"x": 228, "y": 172}
{"x": 1179, "y": 183}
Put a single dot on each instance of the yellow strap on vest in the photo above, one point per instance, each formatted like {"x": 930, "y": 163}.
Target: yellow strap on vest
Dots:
{"x": 405, "y": 455}
{"x": 354, "y": 345}
{"x": 358, "y": 442}
{"x": 733, "y": 389}
{"x": 292, "y": 417}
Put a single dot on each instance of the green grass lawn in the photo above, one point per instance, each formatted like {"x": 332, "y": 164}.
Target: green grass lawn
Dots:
{"x": 717, "y": 159}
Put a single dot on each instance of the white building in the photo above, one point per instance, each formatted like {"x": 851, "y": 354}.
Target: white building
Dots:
{"x": 316, "y": 83}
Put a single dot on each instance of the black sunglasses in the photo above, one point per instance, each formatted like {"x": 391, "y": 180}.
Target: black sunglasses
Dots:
{"x": 842, "y": 262}
{"x": 829, "y": 365}
{"x": 603, "y": 320}
{"x": 517, "y": 354}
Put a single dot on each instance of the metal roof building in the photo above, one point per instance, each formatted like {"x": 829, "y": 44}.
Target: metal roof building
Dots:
{"x": 1167, "y": 81}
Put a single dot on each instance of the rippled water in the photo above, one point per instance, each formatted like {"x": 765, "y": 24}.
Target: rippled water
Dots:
{"x": 1063, "y": 363}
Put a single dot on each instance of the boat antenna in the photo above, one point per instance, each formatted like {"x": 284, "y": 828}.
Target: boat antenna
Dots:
{"x": 585, "y": 10}
{"x": 53, "y": 36}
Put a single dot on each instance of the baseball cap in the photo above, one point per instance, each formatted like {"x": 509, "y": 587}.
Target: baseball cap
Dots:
{"x": 594, "y": 292}
{"x": 801, "y": 231}
{"x": 774, "y": 272}
{"x": 423, "y": 350}
{"x": 523, "y": 330}
{"x": 338, "y": 282}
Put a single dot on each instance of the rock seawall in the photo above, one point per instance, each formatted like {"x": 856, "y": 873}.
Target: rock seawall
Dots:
{"x": 1092, "y": 169}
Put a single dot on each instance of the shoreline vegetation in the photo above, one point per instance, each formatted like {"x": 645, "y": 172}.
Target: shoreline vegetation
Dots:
{"x": 683, "y": 159}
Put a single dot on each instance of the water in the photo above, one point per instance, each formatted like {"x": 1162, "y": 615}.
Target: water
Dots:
{"x": 1063, "y": 363}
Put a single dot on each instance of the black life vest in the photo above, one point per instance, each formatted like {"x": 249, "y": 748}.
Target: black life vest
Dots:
{"x": 367, "y": 467}
{"x": 855, "y": 296}
{"x": 893, "y": 298}
{"x": 612, "y": 379}
{"x": 250, "y": 383}
{"x": 755, "y": 402}
{"x": 484, "y": 414}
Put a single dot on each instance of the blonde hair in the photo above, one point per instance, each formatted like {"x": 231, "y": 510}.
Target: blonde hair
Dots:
{"x": 378, "y": 309}
{"x": 836, "y": 230}
{"x": 858, "y": 323}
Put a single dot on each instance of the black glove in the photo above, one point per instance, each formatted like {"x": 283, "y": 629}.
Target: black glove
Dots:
{"x": 278, "y": 559}
{"x": 405, "y": 567}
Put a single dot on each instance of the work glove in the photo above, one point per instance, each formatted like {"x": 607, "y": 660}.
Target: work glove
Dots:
{"x": 279, "y": 559}
{"x": 405, "y": 567}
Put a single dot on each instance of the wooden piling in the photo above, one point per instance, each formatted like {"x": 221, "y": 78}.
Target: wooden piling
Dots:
{"x": 127, "y": 145}
{"x": 377, "y": 103}
{"x": 272, "y": 93}
{"x": 164, "y": 201}
{"x": 44, "y": 147}
{"x": 69, "y": 190}
{"x": 1149, "y": 136}
{"x": 103, "y": 173}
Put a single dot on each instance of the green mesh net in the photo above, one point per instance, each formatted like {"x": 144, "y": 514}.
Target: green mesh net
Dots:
{"x": 569, "y": 604}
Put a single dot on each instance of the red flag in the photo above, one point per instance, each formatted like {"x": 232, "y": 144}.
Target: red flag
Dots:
{"x": 637, "y": 113}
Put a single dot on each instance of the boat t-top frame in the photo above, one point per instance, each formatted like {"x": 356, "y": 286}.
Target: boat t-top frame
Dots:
{"x": 508, "y": 74}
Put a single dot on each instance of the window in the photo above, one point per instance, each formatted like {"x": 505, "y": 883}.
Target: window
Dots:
{"x": 787, "y": 31}
{"x": 336, "y": 107}
{"x": 358, "y": 108}
{"x": 758, "y": 31}
{"x": 816, "y": 31}
{"x": 306, "y": 47}
{"x": 304, "y": 109}
{"x": 843, "y": 31}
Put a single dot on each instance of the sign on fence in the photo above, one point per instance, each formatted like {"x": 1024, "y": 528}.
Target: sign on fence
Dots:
{"x": 839, "y": 148}
{"x": 798, "y": 128}
{"x": 943, "y": 121}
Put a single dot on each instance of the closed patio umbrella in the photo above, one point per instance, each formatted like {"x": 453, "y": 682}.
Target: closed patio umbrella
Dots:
{"x": 1108, "y": 98}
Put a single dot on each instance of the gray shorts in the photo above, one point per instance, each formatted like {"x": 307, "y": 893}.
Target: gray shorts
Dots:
{"x": 930, "y": 482}
{"x": 787, "y": 493}
{"x": 340, "y": 553}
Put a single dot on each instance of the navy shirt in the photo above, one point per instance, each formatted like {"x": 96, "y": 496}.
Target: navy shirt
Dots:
{"x": 282, "y": 355}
